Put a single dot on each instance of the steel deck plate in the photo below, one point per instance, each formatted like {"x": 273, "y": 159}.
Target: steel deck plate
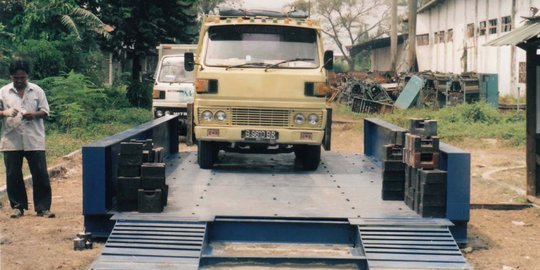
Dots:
{"x": 251, "y": 185}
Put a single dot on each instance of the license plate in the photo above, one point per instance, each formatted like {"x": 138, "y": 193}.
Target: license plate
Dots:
{"x": 259, "y": 135}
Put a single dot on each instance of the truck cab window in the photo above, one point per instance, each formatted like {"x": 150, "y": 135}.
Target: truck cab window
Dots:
{"x": 234, "y": 45}
{"x": 172, "y": 71}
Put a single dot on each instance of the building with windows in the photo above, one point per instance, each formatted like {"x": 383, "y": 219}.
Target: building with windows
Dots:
{"x": 451, "y": 35}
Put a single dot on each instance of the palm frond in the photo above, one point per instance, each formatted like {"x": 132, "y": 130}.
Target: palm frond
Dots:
{"x": 90, "y": 17}
{"x": 93, "y": 21}
{"x": 68, "y": 22}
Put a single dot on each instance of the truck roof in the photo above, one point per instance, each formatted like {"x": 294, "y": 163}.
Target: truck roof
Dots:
{"x": 215, "y": 20}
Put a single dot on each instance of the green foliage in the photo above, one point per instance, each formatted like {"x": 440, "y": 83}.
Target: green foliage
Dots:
{"x": 44, "y": 56}
{"x": 78, "y": 105}
{"x": 139, "y": 94}
{"x": 480, "y": 113}
{"x": 477, "y": 120}
{"x": 141, "y": 25}
{"x": 340, "y": 66}
{"x": 73, "y": 100}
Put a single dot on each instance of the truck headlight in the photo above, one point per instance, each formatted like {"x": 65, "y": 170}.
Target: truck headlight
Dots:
{"x": 299, "y": 119}
{"x": 207, "y": 116}
{"x": 159, "y": 113}
{"x": 221, "y": 116}
{"x": 313, "y": 119}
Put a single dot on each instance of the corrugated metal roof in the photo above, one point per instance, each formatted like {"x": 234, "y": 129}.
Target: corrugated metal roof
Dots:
{"x": 519, "y": 35}
{"x": 375, "y": 44}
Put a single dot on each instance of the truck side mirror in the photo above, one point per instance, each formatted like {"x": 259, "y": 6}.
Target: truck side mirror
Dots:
{"x": 189, "y": 61}
{"x": 329, "y": 60}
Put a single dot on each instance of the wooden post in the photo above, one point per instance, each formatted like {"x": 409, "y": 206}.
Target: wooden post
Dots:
{"x": 393, "y": 36}
{"x": 413, "y": 7}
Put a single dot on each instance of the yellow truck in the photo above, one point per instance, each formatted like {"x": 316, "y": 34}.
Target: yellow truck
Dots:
{"x": 260, "y": 87}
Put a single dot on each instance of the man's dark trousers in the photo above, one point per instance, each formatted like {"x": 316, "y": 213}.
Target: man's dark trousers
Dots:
{"x": 41, "y": 186}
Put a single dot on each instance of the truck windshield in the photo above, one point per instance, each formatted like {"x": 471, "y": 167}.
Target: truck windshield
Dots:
{"x": 172, "y": 70}
{"x": 271, "y": 45}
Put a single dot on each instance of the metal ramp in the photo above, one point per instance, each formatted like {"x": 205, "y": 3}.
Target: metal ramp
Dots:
{"x": 153, "y": 244}
{"x": 410, "y": 244}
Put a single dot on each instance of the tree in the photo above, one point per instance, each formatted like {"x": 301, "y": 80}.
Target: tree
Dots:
{"x": 349, "y": 22}
{"x": 209, "y": 6}
{"x": 50, "y": 19}
{"x": 141, "y": 25}
{"x": 55, "y": 35}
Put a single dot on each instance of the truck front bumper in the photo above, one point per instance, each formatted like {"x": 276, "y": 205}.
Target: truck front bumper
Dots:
{"x": 235, "y": 135}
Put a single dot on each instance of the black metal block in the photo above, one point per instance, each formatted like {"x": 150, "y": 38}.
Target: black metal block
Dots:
{"x": 433, "y": 176}
{"x": 127, "y": 187}
{"x": 130, "y": 148}
{"x": 392, "y": 152}
{"x": 147, "y": 156}
{"x": 150, "y": 201}
{"x": 432, "y": 211}
{"x": 127, "y": 193}
{"x": 129, "y": 170}
{"x": 393, "y": 186}
{"x": 392, "y": 195}
{"x": 433, "y": 189}
{"x": 423, "y": 127}
{"x": 158, "y": 154}
{"x": 433, "y": 200}
{"x": 152, "y": 182}
{"x": 131, "y": 159}
{"x": 393, "y": 176}
{"x": 393, "y": 165}
{"x": 164, "y": 195}
{"x": 146, "y": 144}
{"x": 153, "y": 170}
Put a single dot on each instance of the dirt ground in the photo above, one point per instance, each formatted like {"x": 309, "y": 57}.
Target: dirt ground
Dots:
{"x": 497, "y": 239}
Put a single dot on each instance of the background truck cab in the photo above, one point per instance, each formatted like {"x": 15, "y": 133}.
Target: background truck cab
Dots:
{"x": 173, "y": 85}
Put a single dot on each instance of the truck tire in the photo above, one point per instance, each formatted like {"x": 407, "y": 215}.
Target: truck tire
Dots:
{"x": 309, "y": 156}
{"x": 206, "y": 154}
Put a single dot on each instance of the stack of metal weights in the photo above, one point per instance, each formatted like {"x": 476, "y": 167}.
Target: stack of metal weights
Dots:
{"x": 393, "y": 172}
{"x": 425, "y": 184}
{"x": 141, "y": 178}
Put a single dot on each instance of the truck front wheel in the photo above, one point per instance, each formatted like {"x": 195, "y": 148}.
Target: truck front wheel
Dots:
{"x": 309, "y": 156}
{"x": 206, "y": 154}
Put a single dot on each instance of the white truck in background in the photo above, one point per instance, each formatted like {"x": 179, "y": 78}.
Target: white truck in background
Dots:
{"x": 173, "y": 85}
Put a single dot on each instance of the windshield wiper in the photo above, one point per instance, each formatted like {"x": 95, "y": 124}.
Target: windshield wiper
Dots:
{"x": 248, "y": 64}
{"x": 287, "y": 61}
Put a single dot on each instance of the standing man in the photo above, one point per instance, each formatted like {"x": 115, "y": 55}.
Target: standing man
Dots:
{"x": 23, "y": 105}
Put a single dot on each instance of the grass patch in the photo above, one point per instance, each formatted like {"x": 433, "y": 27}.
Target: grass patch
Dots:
{"x": 478, "y": 120}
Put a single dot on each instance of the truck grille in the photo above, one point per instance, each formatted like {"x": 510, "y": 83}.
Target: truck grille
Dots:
{"x": 260, "y": 117}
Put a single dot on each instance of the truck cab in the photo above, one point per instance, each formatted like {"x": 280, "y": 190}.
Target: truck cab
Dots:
{"x": 261, "y": 85}
{"x": 173, "y": 85}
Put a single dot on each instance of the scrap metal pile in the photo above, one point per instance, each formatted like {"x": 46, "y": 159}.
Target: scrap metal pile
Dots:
{"x": 364, "y": 93}
{"x": 376, "y": 93}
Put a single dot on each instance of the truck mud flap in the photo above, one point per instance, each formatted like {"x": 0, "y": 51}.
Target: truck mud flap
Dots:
{"x": 190, "y": 130}
{"x": 327, "y": 139}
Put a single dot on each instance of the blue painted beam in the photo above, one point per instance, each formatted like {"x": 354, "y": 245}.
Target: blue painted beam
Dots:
{"x": 100, "y": 161}
{"x": 455, "y": 161}
{"x": 378, "y": 133}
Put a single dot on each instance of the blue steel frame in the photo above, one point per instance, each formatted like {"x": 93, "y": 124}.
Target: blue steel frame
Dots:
{"x": 100, "y": 160}
{"x": 455, "y": 161}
